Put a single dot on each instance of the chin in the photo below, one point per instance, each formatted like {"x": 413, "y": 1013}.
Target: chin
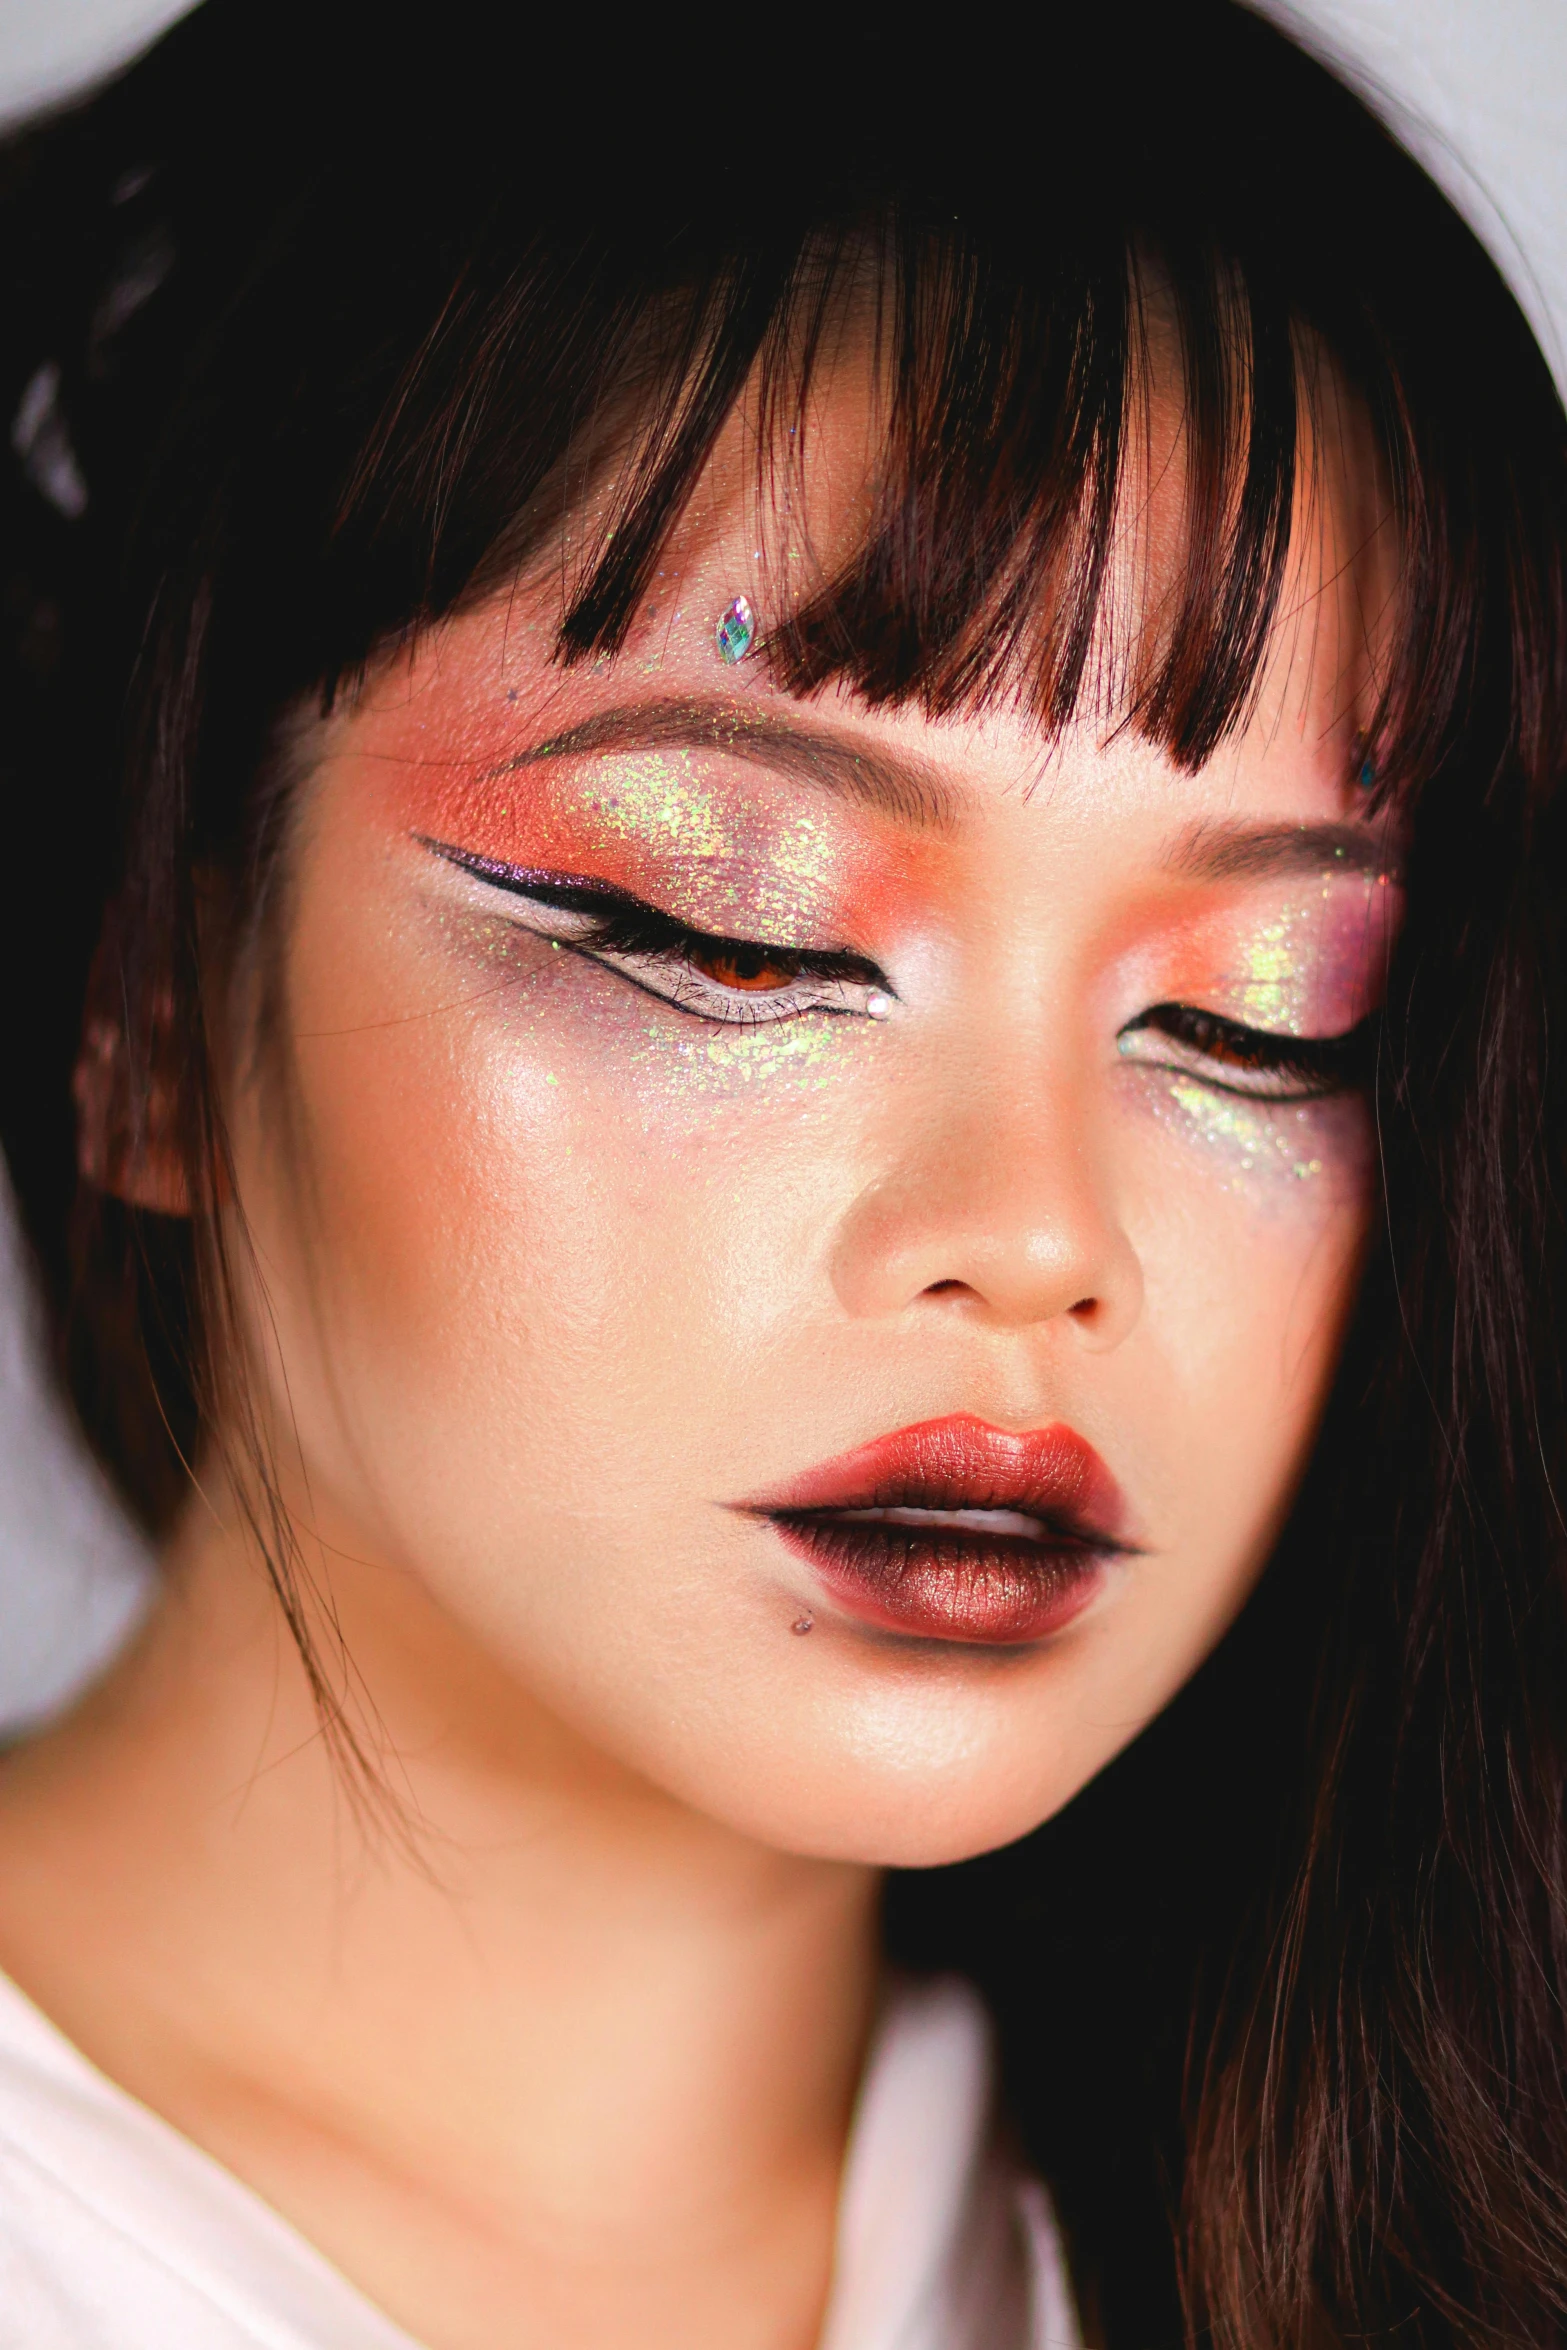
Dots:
{"x": 873, "y": 1826}
{"x": 920, "y": 1800}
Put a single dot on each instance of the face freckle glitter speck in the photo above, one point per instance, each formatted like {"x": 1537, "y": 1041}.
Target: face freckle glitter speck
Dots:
{"x": 736, "y": 630}
{"x": 1248, "y": 1138}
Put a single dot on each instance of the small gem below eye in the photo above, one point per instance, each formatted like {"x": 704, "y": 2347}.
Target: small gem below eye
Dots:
{"x": 878, "y": 1004}
{"x": 736, "y": 631}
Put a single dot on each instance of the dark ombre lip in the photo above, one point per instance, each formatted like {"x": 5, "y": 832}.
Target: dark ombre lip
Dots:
{"x": 955, "y": 1530}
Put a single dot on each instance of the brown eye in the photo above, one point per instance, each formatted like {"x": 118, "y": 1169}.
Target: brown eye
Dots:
{"x": 753, "y": 969}
{"x": 1221, "y": 1041}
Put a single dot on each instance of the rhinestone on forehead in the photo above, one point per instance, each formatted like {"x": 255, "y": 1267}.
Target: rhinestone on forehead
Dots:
{"x": 736, "y": 630}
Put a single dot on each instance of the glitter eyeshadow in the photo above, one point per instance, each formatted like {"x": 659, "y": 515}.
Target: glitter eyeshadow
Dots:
{"x": 1276, "y": 977}
{"x": 1303, "y": 972}
{"x": 660, "y": 824}
{"x": 723, "y": 865}
{"x": 805, "y": 1053}
{"x": 736, "y": 630}
{"x": 688, "y": 1062}
{"x": 659, "y": 799}
{"x": 1252, "y": 1138}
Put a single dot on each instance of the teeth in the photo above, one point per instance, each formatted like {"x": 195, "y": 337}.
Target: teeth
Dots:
{"x": 963, "y": 1521}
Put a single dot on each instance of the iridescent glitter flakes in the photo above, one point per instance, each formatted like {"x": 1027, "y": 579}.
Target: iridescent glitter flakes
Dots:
{"x": 736, "y": 630}
{"x": 1259, "y": 1138}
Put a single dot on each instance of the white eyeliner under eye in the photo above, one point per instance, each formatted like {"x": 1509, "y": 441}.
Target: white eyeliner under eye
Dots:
{"x": 691, "y": 991}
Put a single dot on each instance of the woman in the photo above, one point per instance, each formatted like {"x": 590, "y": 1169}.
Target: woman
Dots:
{"x": 799, "y": 817}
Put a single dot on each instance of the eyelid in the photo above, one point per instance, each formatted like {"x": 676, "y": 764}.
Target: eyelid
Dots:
{"x": 546, "y": 886}
{"x": 827, "y": 981}
{"x": 1320, "y": 1065}
{"x": 529, "y": 881}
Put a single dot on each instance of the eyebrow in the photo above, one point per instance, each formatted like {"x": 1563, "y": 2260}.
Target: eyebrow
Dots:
{"x": 915, "y": 793}
{"x": 896, "y": 783}
{"x": 1235, "y": 851}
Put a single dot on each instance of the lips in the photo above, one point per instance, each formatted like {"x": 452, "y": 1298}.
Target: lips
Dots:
{"x": 954, "y": 1530}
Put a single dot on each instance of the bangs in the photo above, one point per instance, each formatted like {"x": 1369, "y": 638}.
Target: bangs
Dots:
{"x": 1010, "y": 468}
{"x": 423, "y": 357}
{"x": 1256, "y": 259}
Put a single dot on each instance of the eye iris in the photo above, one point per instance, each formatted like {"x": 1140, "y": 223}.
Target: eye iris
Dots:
{"x": 1219, "y": 1042}
{"x": 749, "y": 968}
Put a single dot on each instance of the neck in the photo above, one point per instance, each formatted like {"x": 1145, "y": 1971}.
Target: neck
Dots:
{"x": 575, "y": 2039}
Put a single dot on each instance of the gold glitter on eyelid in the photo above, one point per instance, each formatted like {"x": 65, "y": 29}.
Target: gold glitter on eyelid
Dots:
{"x": 735, "y": 874}
{"x": 1292, "y": 976}
{"x": 658, "y": 799}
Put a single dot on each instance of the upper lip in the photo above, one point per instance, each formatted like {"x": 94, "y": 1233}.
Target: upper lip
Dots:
{"x": 962, "y": 1463}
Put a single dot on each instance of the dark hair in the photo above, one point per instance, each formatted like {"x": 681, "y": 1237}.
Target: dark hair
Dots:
{"x": 312, "y": 337}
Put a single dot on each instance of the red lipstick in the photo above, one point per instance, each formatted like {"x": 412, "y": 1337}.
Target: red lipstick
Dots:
{"x": 954, "y": 1530}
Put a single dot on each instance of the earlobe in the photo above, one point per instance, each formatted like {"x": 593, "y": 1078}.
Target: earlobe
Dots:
{"x": 125, "y": 1145}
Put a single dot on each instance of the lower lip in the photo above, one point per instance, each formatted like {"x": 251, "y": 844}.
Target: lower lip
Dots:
{"x": 957, "y": 1531}
{"x": 945, "y": 1583}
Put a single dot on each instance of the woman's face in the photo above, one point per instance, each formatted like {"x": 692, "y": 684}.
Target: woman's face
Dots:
{"x": 813, "y": 1240}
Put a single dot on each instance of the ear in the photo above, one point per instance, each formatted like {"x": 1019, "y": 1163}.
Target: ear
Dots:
{"x": 126, "y": 1136}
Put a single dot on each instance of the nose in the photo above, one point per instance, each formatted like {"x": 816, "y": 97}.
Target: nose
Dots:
{"x": 993, "y": 1207}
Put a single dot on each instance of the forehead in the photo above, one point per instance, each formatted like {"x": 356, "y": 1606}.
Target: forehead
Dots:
{"x": 787, "y": 517}
{"x": 780, "y": 515}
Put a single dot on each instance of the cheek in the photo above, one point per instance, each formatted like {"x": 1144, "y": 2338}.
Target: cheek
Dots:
{"x": 1250, "y": 1223}
{"x": 546, "y": 1214}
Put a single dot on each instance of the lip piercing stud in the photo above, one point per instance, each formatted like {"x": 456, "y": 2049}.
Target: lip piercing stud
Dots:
{"x": 736, "y": 630}
{"x": 802, "y": 1624}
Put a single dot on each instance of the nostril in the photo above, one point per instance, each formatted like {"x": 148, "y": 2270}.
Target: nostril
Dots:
{"x": 944, "y": 1288}
{"x": 1085, "y": 1308}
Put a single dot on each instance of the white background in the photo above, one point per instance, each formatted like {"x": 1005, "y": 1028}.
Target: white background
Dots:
{"x": 1478, "y": 88}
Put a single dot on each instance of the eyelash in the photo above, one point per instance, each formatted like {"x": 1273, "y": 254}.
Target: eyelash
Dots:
{"x": 1231, "y": 1058}
{"x": 637, "y": 942}
{"x": 663, "y": 957}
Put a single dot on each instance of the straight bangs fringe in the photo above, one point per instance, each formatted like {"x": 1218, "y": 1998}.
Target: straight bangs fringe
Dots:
{"x": 1004, "y": 560}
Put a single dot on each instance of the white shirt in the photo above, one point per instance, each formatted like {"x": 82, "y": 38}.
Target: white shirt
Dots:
{"x": 118, "y": 2234}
